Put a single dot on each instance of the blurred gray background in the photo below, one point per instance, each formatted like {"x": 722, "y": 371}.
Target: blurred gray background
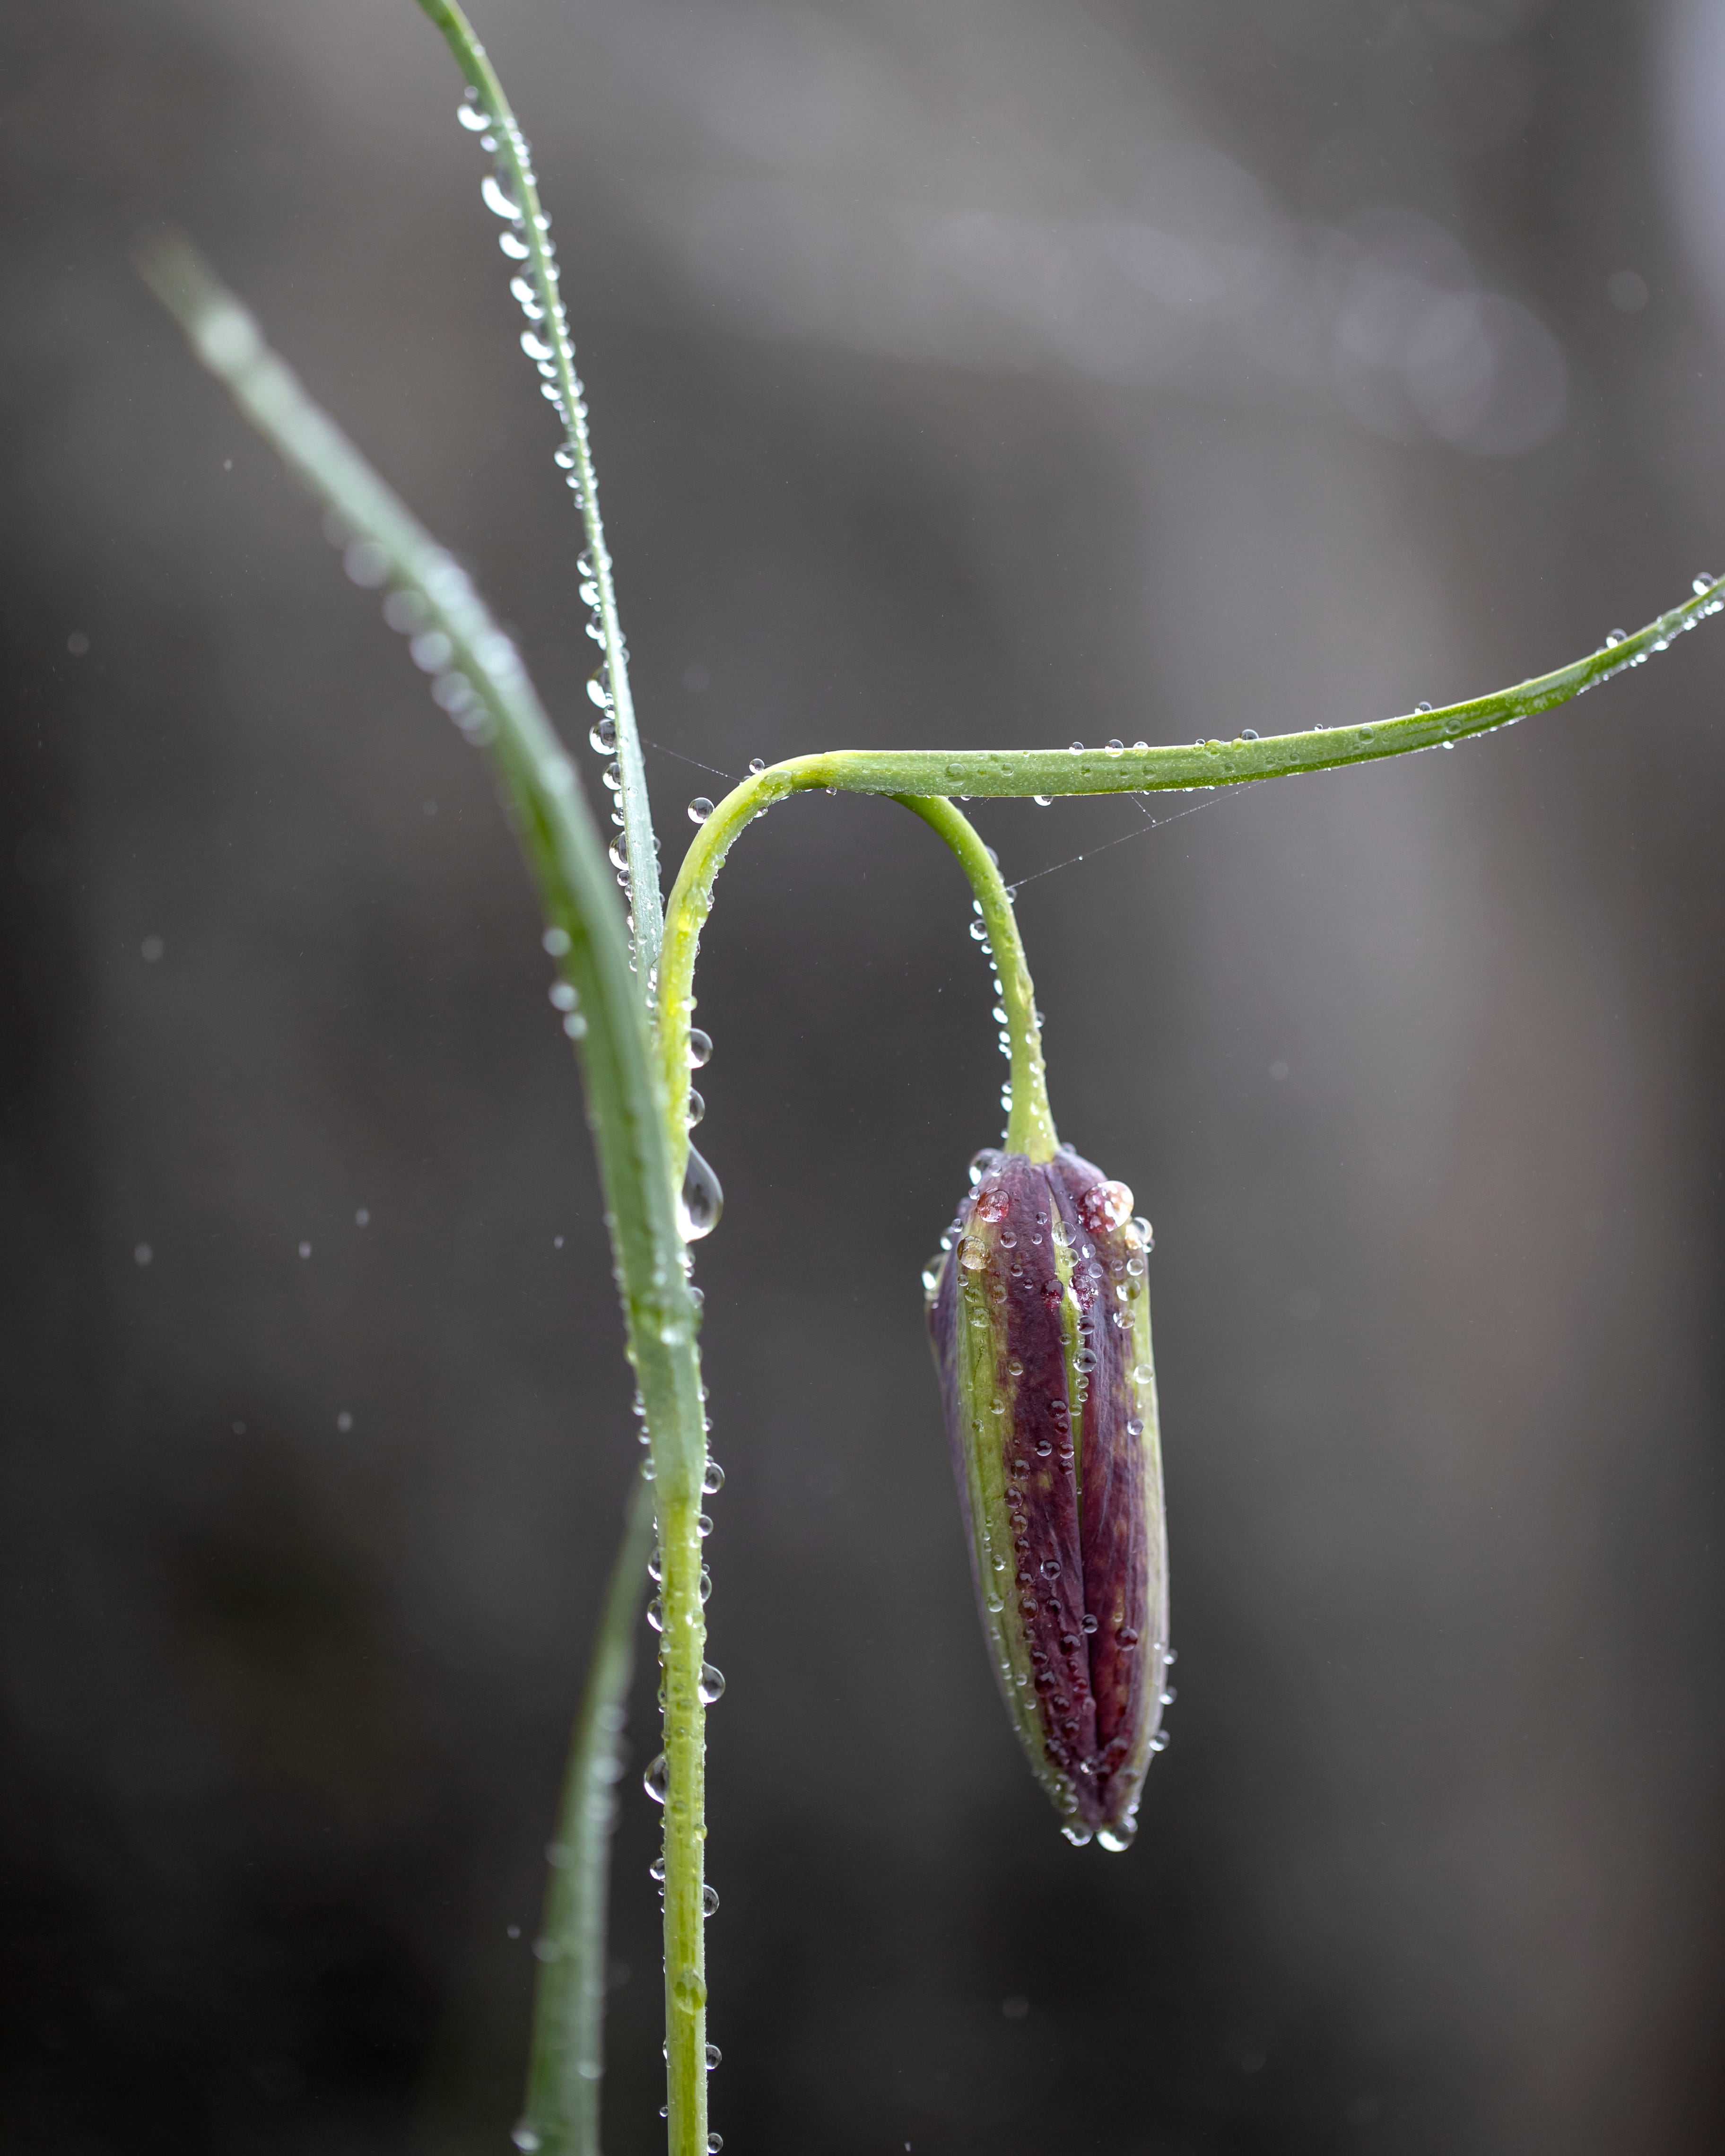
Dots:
{"x": 966, "y": 372}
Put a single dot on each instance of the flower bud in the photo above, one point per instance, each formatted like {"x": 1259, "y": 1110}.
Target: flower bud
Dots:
{"x": 1040, "y": 1317}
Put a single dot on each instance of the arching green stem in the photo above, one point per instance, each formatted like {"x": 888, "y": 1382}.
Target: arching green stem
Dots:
{"x": 923, "y": 776}
{"x": 1029, "y": 1126}
{"x": 1030, "y": 1123}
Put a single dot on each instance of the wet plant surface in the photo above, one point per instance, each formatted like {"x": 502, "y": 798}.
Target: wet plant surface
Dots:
{"x": 1409, "y": 1063}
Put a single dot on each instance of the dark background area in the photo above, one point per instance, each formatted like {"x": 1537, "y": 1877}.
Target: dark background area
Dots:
{"x": 962, "y": 374}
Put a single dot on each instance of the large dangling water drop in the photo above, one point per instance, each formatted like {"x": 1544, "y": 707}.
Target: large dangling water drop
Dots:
{"x": 701, "y": 1200}
{"x": 711, "y": 1686}
{"x": 701, "y": 1046}
{"x": 656, "y": 1781}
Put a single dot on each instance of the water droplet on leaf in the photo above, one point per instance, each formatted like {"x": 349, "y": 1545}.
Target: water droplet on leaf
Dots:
{"x": 701, "y": 1201}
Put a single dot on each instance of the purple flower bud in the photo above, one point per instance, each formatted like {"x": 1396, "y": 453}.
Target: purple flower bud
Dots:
{"x": 1040, "y": 1317}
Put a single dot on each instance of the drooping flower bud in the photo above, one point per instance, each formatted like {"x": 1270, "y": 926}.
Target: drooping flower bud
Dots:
{"x": 1040, "y": 1317}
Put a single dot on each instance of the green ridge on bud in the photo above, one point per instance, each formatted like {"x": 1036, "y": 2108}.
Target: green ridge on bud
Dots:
{"x": 1040, "y": 1312}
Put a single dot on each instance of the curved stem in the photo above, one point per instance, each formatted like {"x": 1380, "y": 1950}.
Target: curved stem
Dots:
{"x": 484, "y": 685}
{"x": 532, "y": 234}
{"x": 910, "y": 775}
{"x": 1029, "y": 1123}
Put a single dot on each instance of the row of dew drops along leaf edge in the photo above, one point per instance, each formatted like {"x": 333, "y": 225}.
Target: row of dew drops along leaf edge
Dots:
{"x": 432, "y": 651}
{"x": 1700, "y": 583}
{"x": 701, "y": 1199}
{"x": 709, "y": 1685}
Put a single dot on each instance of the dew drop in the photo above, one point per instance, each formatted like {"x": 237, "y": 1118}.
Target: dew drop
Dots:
{"x": 1077, "y": 1835}
{"x": 700, "y": 808}
{"x": 656, "y": 1781}
{"x": 1075, "y": 748}
{"x": 713, "y": 1481}
{"x": 1117, "y": 1838}
{"x": 714, "y": 2054}
{"x": 1042, "y": 800}
{"x": 700, "y": 1047}
{"x": 514, "y": 246}
{"x": 1614, "y": 637}
{"x": 474, "y": 117}
{"x": 1703, "y": 583}
{"x": 714, "y": 2143}
{"x": 602, "y": 736}
{"x": 526, "y": 2138}
{"x": 708, "y": 1900}
{"x": 496, "y": 200}
{"x": 701, "y": 1200}
{"x": 367, "y": 563}
{"x": 1088, "y": 1622}
{"x": 1117, "y": 748}
{"x": 711, "y": 1688}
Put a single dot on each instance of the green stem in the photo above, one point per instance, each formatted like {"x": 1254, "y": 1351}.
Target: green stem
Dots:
{"x": 1006, "y": 774}
{"x": 482, "y": 682}
{"x": 532, "y": 229}
{"x": 567, "y": 2058}
{"x": 1030, "y": 1125}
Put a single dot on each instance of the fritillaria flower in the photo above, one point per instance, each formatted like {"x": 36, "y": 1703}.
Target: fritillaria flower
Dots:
{"x": 1040, "y": 1318}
